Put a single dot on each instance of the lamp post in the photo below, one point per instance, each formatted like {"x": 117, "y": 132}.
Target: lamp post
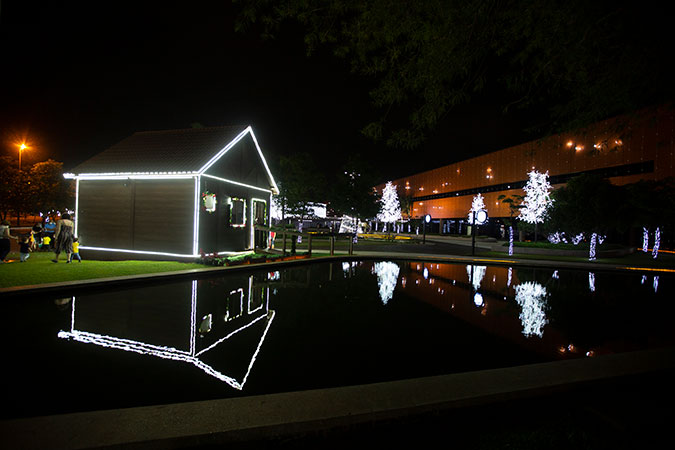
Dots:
{"x": 22, "y": 147}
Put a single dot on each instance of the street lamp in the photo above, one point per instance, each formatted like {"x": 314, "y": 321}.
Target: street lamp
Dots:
{"x": 22, "y": 147}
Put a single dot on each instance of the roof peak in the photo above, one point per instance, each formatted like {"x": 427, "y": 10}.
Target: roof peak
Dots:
{"x": 193, "y": 129}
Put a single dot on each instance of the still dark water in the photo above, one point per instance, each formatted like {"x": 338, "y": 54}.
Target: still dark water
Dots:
{"x": 314, "y": 326}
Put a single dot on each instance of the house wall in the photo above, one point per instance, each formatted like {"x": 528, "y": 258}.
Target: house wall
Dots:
{"x": 146, "y": 215}
{"x": 215, "y": 231}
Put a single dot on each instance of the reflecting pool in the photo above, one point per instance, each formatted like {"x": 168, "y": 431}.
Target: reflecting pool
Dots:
{"x": 317, "y": 325}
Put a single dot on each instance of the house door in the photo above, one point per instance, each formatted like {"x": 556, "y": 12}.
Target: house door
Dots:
{"x": 260, "y": 218}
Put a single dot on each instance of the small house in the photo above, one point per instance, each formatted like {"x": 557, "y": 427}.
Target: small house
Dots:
{"x": 175, "y": 193}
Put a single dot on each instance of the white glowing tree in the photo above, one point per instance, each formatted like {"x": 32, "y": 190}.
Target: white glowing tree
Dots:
{"x": 477, "y": 204}
{"x": 390, "y": 209}
{"x": 537, "y": 199}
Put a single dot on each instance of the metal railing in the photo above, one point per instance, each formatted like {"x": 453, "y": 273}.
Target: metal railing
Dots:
{"x": 332, "y": 237}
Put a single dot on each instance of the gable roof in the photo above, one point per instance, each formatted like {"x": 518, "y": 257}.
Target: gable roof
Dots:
{"x": 166, "y": 151}
{"x": 187, "y": 151}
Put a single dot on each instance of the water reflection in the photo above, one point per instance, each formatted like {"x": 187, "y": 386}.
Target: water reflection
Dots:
{"x": 476, "y": 275}
{"x": 387, "y": 277}
{"x": 531, "y": 296}
{"x": 135, "y": 326}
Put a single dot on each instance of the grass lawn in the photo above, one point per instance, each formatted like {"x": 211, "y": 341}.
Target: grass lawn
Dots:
{"x": 637, "y": 259}
{"x": 39, "y": 269}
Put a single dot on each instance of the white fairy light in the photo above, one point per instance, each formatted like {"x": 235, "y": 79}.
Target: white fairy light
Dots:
{"x": 537, "y": 198}
{"x": 531, "y": 296}
{"x": 656, "y": 283}
{"x": 390, "y": 209}
{"x": 477, "y": 204}
{"x": 576, "y": 239}
{"x": 601, "y": 238}
{"x": 387, "y": 277}
{"x": 591, "y": 254}
{"x": 510, "y": 241}
{"x": 591, "y": 281}
{"x": 645, "y": 239}
{"x": 644, "y": 278}
{"x": 508, "y": 281}
{"x": 555, "y": 275}
{"x": 554, "y": 238}
{"x": 657, "y": 242}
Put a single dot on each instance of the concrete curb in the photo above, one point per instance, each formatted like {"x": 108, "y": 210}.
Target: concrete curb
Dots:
{"x": 219, "y": 422}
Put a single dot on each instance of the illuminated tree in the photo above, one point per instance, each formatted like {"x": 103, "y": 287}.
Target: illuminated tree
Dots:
{"x": 390, "y": 209}
{"x": 537, "y": 199}
{"x": 477, "y": 204}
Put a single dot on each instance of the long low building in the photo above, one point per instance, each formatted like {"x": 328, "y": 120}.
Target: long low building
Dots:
{"x": 625, "y": 149}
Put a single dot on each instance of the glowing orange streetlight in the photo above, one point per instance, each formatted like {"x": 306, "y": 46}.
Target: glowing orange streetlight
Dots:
{"x": 22, "y": 147}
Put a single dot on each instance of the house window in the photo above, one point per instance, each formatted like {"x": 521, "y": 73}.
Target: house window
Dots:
{"x": 238, "y": 213}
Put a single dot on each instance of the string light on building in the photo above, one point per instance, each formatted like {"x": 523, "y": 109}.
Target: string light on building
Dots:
{"x": 645, "y": 239}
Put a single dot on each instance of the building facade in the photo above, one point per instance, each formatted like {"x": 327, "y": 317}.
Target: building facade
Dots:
{"x": 624, "y": 149}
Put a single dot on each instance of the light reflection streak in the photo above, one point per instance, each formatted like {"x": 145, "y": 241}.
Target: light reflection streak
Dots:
{"x": 387, "y": 277}
{"x": 476, "y": 275}
{"x": 531, "y": 296}
{"x": 656, "y": 283}
{"x": 591, "y": 281}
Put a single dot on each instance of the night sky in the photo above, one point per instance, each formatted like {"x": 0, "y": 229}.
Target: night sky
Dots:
{"x": 78, "y": 77}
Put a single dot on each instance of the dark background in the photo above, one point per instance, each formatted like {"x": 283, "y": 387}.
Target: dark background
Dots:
{"x": 78, "y": 77}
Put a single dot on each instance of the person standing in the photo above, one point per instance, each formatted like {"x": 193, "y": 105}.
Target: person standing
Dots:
{"x": 63, "y": 237}
{"x": 24, "y": 248}
{"x": 5, "y": 236}
{"x": 76, "y": 250}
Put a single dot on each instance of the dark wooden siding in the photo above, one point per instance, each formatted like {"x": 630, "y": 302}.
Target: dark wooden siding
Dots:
{"x": 150, "y": 215}
{"x": 215, "y": 232}
{"x": 105, "y": 213}
{"x": 164, "y": 215}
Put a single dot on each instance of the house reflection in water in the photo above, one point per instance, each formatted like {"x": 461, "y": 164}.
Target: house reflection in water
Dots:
{"x": 218, "y": 325}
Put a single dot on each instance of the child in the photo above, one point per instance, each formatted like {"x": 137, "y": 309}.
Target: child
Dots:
{"x": 24, "y": 248}
{"x": 45, "y": 243}
{"x": 76, "y": 250}
{"x": 36, "y": 237}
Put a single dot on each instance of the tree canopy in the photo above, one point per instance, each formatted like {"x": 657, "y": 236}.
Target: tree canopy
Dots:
{"x": 578, "y": 60}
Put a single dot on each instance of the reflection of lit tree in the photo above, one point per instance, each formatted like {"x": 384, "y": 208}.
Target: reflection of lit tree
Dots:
{"x": 531, "y": 296}
{"x": 476, "y": 275}
{"x": 387, "y": 277}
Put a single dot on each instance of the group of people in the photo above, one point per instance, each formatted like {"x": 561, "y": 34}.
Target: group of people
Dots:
{"x": 63, "y": 236}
